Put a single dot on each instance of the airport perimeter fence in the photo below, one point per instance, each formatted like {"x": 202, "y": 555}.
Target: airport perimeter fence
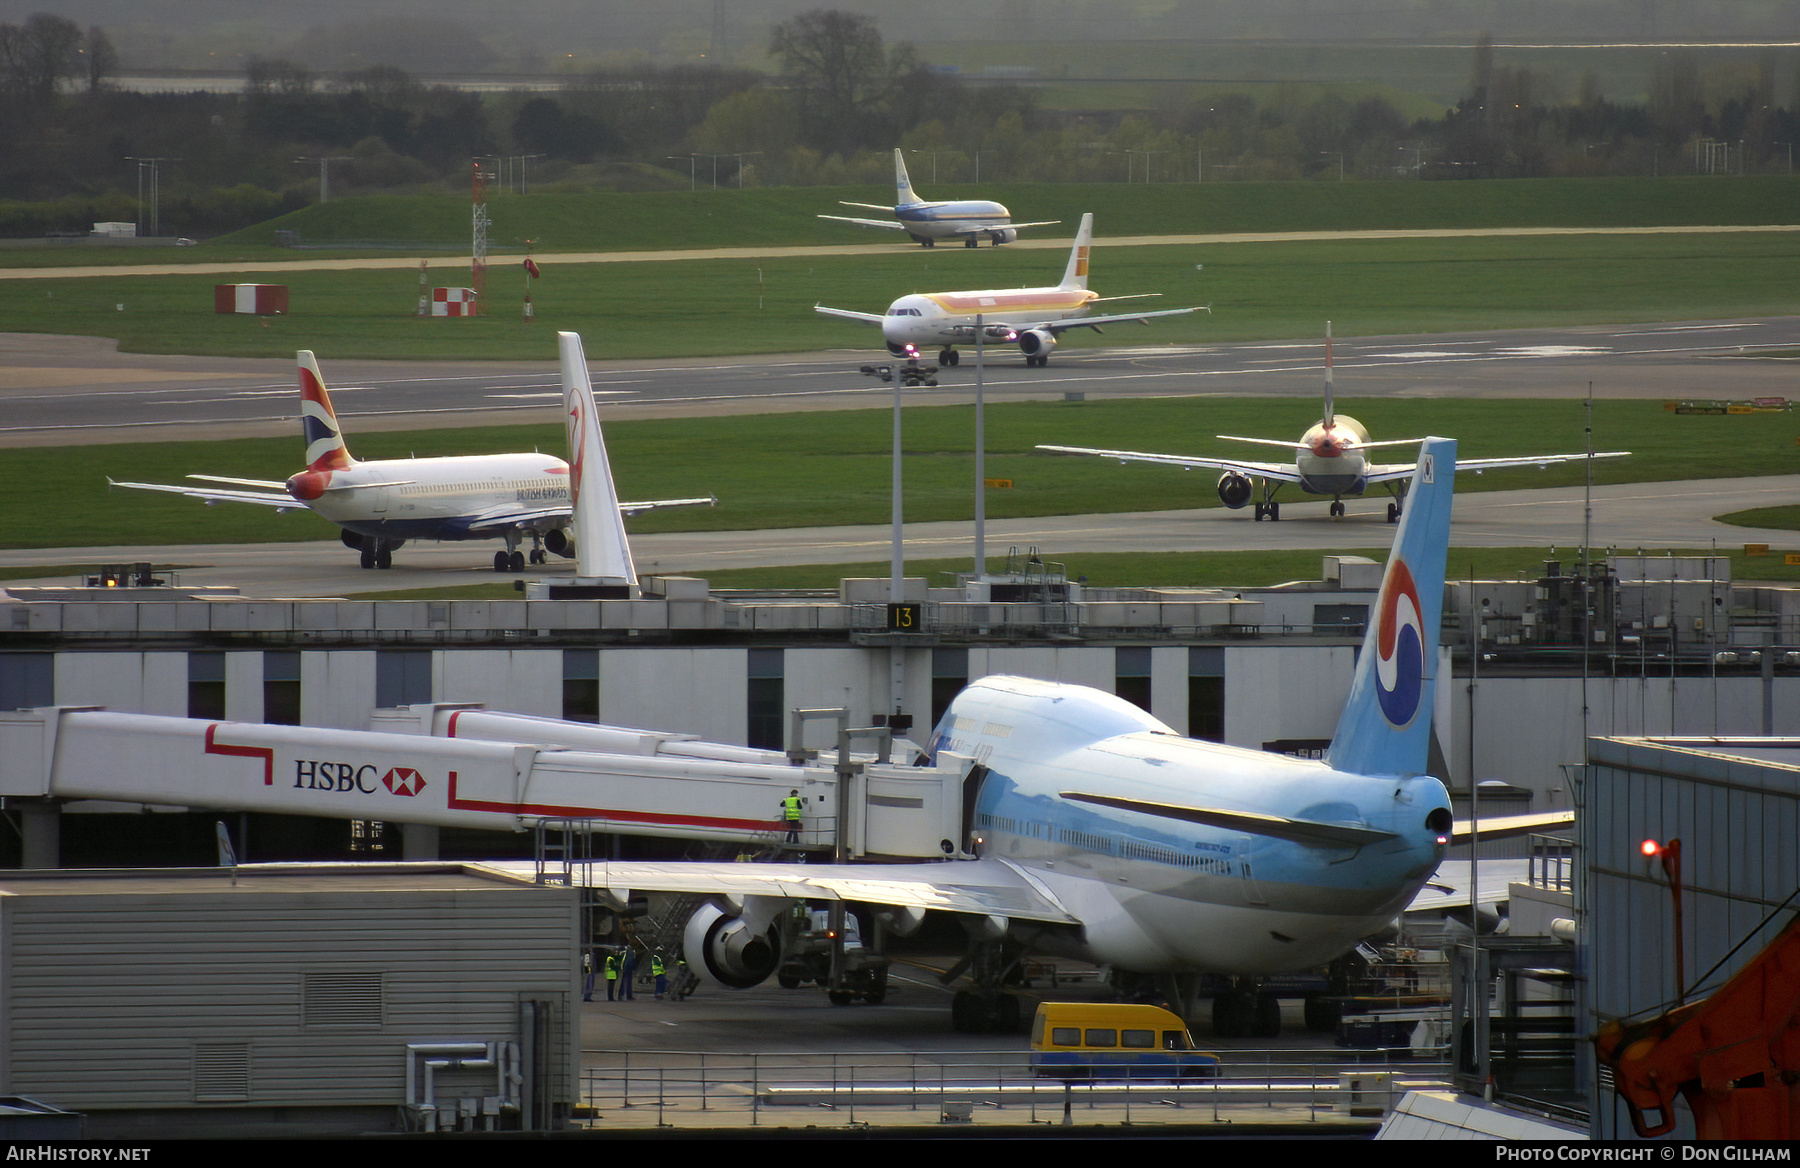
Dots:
{"x": 684, "y": 1088}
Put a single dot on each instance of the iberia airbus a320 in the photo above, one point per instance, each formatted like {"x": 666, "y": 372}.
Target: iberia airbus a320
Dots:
{"x": 1031, "y": 318}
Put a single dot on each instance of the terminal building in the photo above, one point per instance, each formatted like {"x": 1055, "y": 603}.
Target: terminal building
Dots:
{"x": 1629, "y": 650}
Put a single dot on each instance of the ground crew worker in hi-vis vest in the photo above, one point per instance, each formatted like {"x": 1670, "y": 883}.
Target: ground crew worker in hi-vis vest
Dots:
{"x": 612, "y": 974}
{"x": 790, "y": 811}
{"x": 658, "y": 972}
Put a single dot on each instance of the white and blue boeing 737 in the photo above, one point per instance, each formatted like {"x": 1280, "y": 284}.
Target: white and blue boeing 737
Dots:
{"x": 927, "y": 222}
{"x": 1101, "y": 834}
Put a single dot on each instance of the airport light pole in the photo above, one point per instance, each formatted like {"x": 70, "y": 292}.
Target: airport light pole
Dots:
{"x": 154, "y": 167}
{"x": 934, "y": 154}
{"x": 324, "y": 161}
{"x": 1146, "y": 154}
{"x": 740, "y": 164}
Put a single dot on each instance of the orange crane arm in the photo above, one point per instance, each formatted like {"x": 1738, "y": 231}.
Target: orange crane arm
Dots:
{"x": 1734, "y": 1056}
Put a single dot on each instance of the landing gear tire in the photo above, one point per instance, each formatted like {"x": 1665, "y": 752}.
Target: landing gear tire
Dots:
{"x": 1268, "y": 1016}
{"x": 966, "y": 1013}
{"x": 949, "y": 357}
{"x": 537, "y": 556}
{"x": 971, "y": 242}
{"x": 501, "y": 561}
{"x": 384, "y": 558}
{"x": 516, "y": 562}
{"x": 368, "y": 555}
{"x": 841, "y": 997}
{"x": 1337, "y": 510}
{"x": 1393, "y": 512}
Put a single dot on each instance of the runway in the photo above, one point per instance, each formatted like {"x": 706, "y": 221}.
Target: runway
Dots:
{"x": 1625, "y": 517}
{"x": 76, "y": 390}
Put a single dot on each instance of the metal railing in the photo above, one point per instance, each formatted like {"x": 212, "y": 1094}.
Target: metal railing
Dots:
{"x": 639, "y": 1087}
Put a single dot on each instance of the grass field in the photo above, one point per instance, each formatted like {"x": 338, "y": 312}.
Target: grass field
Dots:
{"x": 721, "y": 307}
{"x": 839, "y": 474}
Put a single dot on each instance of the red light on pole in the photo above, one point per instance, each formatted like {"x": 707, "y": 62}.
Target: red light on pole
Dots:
{"x": 1650, "y": 848}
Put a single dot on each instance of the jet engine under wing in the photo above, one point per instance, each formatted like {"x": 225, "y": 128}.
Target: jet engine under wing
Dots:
{"x": 986, "y": 887}
{"x": 1306, "y": 832}
{"x": 1285, "y": 472}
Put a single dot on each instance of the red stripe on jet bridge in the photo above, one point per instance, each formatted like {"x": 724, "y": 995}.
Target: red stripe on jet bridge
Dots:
{"x": 267, "y": 754}
{"x": 640, "y": 817}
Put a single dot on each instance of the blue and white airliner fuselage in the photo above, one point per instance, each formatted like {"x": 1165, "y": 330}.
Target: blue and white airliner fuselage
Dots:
{"x": 970, "y": 220}
{"x": 1066, "y": 765}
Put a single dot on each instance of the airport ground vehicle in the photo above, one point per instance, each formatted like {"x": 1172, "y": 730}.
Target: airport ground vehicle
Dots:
{"x": 1083, "y": 1041}
{"x": 807, "y": 953}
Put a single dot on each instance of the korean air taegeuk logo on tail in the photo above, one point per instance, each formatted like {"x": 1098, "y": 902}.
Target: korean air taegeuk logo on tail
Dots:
{"x": 1399, "y": 646}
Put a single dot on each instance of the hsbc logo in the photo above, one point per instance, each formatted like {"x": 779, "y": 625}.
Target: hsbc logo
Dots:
{"x": 403, "y": 781}
{"x": 345, "y": 777}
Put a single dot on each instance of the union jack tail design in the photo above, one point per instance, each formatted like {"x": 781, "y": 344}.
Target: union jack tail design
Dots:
{"x": 1386, "y": 724}
{"x": 325, "y": 448}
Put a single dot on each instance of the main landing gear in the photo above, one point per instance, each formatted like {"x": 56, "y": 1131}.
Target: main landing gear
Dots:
{"x": 1246, "y": 1011}
{"x": 372, "y": 551}
{"x": 1271, "y": 510}
{"x": 512, "y": 559}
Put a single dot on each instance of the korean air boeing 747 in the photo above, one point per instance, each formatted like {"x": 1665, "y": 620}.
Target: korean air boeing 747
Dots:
{"x": 1098, "y": 832}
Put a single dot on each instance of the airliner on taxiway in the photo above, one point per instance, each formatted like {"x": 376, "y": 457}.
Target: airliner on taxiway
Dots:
{"x": 969, "y": 220}
{"x": 380, "y": 505}
{"x": 1031, "y": 318}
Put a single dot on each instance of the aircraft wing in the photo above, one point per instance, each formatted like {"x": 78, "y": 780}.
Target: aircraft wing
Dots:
{"x": 661, "y": 504}
{"x": 209, "y": 495}
{"x": 1533, "y": 460}
{"x": 865, "y": 317}
{"x": 1275, "y": 471}
{"x": 893, "y": 224}
{"x": 1388, "y": 472}
{"x": 986, "y": 887}
{"x": 1057, "y": 327}
{"x": 985, "y": 228}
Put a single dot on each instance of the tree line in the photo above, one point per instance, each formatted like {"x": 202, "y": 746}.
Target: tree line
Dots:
{"x": 73, "y": 148}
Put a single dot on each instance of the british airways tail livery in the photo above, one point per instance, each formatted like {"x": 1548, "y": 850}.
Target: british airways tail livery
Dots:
{"x": 927, "y": 222}
{"x": 381, "y": 505}
{"x": 1095, "y": 831}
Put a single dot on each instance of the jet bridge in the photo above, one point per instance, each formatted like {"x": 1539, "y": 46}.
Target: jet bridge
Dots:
{"x": 452, "y": 766}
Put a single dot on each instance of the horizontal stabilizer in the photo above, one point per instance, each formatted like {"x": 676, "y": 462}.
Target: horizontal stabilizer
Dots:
{"x": 1306, "y": 832}
{"x": 664, "y": 504}
{"x": 266, "y": 484}
{"x": 1501, "y": 826}
{"x": 866, "y": 222}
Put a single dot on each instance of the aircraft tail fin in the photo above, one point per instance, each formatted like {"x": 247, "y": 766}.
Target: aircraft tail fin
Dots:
{"x": 1330, "y": 406}
{"x": 325, "y": 447}
{"x": 1076, "y": 274}
{"x": 903, "y": 192}
{"x": 1386, "y": 724}
{"x": 601, "y": 550}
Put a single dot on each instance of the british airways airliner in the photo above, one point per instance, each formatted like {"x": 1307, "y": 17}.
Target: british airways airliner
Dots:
{"x": 927, "y": 222}
{"x": 380, "y": 505}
